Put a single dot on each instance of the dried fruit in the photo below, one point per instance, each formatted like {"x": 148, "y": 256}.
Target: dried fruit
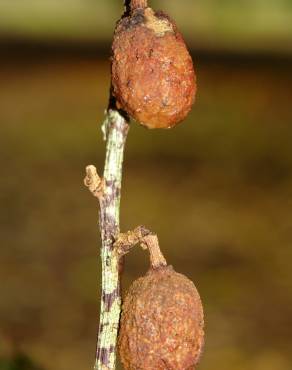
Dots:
{"x": 162, "y": 323}
{"x": 153, "y": 78}
{"x": 162, "y": 320}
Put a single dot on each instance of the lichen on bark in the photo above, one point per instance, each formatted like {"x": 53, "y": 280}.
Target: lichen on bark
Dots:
{"x": 108, "y": 192}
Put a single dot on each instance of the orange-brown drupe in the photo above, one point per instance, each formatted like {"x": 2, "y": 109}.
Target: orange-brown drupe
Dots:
{"x": 153, "y": 78}
{"x": 162, "y": 323}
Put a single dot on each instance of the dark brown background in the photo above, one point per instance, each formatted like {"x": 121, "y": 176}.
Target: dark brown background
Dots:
{"x": 217, "y": 189}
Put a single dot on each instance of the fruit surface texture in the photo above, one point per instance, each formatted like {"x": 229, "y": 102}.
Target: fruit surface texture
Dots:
{"x": 153, "y": 78}
{"x": 162, "y": 323}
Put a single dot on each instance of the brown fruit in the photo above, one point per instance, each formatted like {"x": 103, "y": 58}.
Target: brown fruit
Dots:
{"x": 153, "y": 78}
{"x": 162, "y": 323}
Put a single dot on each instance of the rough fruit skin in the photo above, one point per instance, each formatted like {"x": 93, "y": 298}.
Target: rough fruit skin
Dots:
{"x": 162, "y": 323}
{"x": 153, "y": 78}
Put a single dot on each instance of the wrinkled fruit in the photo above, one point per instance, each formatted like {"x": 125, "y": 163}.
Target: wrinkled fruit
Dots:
{"x": 162, "y": 323}
{"x": 153, "y": 78}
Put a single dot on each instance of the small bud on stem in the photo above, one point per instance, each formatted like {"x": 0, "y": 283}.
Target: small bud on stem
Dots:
{"x": 94, "y": 183}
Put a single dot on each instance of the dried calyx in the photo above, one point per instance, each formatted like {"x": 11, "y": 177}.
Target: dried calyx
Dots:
{"x": 153, "y": 78}
{"x": 162, "y": 318}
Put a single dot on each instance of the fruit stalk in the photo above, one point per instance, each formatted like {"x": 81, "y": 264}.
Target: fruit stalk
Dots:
{"x": 108, "y": 192}
{"x": 135, "y": 4}
{"x": 147, "y": 239}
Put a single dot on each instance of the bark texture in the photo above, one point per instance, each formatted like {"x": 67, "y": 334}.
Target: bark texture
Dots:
{"x": 108, "y": 192}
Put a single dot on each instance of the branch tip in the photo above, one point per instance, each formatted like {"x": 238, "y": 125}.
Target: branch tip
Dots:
{"x": 94, "y": 183}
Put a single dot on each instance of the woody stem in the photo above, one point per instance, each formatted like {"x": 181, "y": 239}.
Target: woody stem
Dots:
{"x": 108, "y": 192}
{"x": 148, "y": 240}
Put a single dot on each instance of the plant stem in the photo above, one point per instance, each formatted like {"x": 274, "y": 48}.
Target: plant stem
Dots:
{"x": 108, "y": 191}
{"x": 147, "y": 239}
{"x": 135, "y": 4}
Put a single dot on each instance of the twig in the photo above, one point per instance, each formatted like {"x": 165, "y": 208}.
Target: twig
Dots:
{"x": 147, "y": 240}
{"x": 94, "y": 183}
{"x": 108, "y": 192}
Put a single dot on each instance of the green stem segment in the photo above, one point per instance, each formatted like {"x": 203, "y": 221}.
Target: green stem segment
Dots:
{"x": 108, "y": 191}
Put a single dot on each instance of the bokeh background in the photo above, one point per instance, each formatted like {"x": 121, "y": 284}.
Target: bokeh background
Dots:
{"x": 217, "y": 189}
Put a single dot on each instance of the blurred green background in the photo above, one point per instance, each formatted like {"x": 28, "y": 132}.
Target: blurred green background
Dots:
{"x": 217, "y": 189}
